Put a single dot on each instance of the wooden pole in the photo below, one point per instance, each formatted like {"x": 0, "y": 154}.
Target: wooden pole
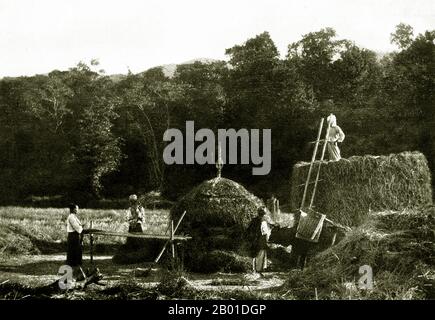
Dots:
{"x": 91, "y": 242}
{"x": 179, "y": 221}
{"x": 320, "y": 164}
{"x": 172, "y": 239}
{"x": 312, "y": 162}
{"x": 164, "y": 247}
{"x": 333, "y": 239}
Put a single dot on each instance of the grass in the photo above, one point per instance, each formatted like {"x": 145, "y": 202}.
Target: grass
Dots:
{"x": 35, "y": 230}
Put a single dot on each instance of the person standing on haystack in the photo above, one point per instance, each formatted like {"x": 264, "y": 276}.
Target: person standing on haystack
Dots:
{"x": 136, "y": 215}
{"x": 259, "y": 262}
{"x": 335, "y": 135}
{"x": 74, "y": 247}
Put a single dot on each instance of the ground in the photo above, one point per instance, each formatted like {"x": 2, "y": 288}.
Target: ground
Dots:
{"x": 41, "y": 270}
{"x": 399, "y": 247}
{"x": 32, "y": 251}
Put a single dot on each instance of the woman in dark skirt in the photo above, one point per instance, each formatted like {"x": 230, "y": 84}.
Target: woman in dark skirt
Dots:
{"x": 259, "y": 233}
{"x": 74, "y": 250}
{"x": 74, "y": 247}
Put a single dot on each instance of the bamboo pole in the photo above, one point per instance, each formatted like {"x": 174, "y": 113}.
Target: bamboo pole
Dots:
{"x": 311, "y": 164}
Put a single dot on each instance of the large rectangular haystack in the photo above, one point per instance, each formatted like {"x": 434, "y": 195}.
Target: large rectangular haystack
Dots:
{"x": 350, "y": 188}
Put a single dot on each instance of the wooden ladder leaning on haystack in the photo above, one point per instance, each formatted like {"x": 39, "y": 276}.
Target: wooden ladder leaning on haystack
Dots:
{"x": 311, "y": 222}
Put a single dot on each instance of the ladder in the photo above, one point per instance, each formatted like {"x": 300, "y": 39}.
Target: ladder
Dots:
{"x": 311, "y": 222}
{"x": 313, "y": 159}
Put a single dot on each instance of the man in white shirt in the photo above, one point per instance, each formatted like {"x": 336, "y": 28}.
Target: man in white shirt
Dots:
{"x": 74, "y": 248}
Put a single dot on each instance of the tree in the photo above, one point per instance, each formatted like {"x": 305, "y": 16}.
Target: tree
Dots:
{"x": 403, "y": 36}
{"x": 412, "y": 73}
{"x": 313, "y": 56}
{"x": 145, "y": 111}
{"x": 203, "y": 98}
{"x": 356, "y": 76}
{"x": 95, "y": 150}
{"x": 48, "y": 100}
{"x": 254, "y": 82}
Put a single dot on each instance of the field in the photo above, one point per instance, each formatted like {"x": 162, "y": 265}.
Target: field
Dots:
{"x": 42, "y": 230}
{"x": 399, "y": 245}
{"x": 32, "y": 248}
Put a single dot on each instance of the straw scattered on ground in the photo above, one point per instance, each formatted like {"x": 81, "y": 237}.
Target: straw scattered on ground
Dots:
{"x": 398, "y": 246}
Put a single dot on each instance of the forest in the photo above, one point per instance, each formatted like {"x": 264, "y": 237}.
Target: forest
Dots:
{"x": 81, "y": 135}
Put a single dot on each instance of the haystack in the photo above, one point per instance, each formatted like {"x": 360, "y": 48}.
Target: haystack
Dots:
{"x": 350, "y": 188}
{"x": 218, "y": 213}
{"x": 398, "y": 246}
{"x": 218, "y": 202}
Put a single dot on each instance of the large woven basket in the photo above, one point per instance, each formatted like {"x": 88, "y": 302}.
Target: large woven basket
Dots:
{"x": 310, "y": 225}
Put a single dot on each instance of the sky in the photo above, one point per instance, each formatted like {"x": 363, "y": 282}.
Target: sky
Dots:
{"x": 38, "y": 36}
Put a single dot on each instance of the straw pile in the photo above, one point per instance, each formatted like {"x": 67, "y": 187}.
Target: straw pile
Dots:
{"x": 218, "y": 202}
{"x": 399, "y": 247}
{"x": 218, "y": 212}
{"x": 351, "y": 187}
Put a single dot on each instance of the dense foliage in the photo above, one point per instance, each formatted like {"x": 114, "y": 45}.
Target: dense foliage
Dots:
{"x": 83, "y": 134}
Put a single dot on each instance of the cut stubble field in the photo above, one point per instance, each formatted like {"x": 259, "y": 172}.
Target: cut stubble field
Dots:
{"x": 33, "y": 245}
{"x": 43, "y": 230}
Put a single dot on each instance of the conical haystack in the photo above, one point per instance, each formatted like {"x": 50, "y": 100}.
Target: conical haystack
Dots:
{"x": 218, "y": 202}
{"x": 218, "y": 213}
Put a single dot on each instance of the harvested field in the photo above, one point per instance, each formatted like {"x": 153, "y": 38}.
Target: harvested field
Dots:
{"x": 42, "y": 230}
{"x": 29, "y": 267}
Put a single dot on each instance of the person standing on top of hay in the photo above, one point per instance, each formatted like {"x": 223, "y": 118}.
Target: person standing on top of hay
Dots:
{"x": 136, "y": 215}
{"x": 74, "y": 248}
{"x": 335, "y": 135}
{"x": 259, "y": 262}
